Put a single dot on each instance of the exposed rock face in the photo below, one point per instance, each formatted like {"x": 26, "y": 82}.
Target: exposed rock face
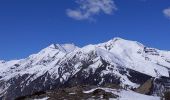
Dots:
{"x": 128, "y": 64}
{"x": 167, "y": 95}
{"x": 160, "y": 86}
{"x": 146, "y": 87}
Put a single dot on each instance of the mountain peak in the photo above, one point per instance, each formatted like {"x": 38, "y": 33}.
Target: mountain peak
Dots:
{"x": 63, "y": 47}
{"x": 117, "y": 38}
{"x": 53, "y": 46}
{"x": 121, "y": 44}
{"x": 69, "y": 47}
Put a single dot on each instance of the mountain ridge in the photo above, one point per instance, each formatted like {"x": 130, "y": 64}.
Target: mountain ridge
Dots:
{"x": 115, "y": 61}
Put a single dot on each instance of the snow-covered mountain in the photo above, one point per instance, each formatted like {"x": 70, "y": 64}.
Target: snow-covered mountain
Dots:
{"x": 118, "y": 61}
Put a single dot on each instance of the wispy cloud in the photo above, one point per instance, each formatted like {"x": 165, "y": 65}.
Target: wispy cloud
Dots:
{"x": 89, "y": 8}
{"x": 167, "y": 12}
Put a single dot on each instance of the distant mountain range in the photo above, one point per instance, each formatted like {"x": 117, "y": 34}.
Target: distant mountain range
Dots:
{"x": 126, "y": 64}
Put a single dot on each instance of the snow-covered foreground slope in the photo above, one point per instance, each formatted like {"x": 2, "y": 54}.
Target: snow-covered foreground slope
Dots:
{"x": 125, "y": 94}
{"x": 46, "y": 98}
{"x": 117, "y": 61}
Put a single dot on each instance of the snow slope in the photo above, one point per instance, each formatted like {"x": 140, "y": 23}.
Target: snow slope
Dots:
{"x": 135, "y": 56}
{"x": 126, "y": 94}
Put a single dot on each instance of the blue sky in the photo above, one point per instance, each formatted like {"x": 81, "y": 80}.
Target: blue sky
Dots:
{"x": 27, "y": 26}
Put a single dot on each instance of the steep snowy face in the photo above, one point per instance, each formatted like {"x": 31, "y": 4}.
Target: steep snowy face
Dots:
{"x": 38, "y": 63}
{"x": 136, "y": 56}
{"x": 26, "y": 71}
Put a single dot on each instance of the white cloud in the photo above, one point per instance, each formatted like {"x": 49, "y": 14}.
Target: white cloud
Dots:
{"x": 88, "y": 8}
{"x": 167, "y": 12}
